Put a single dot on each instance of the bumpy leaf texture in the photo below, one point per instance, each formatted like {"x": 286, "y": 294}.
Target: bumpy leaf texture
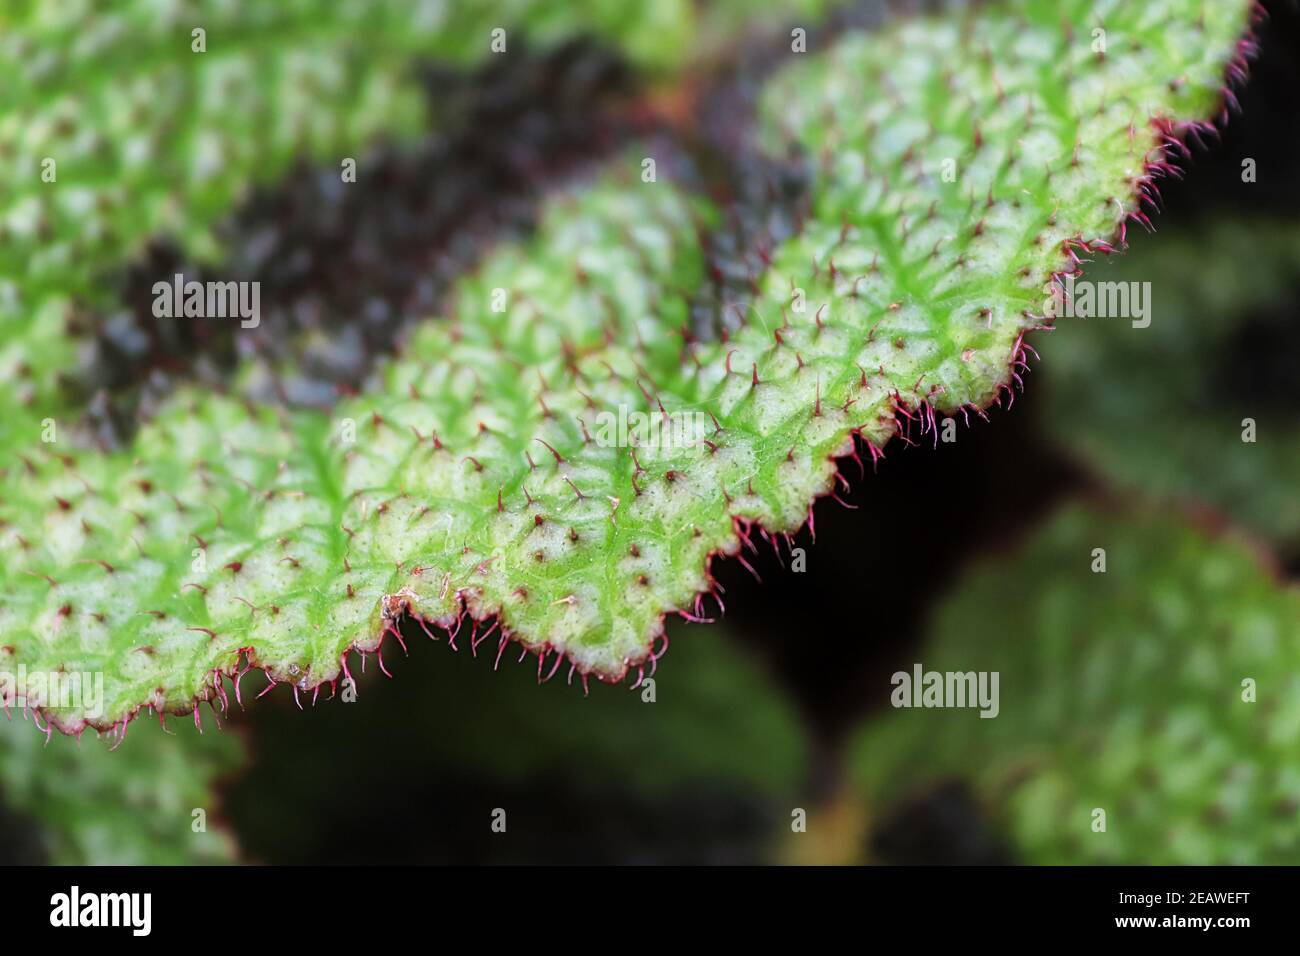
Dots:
{"x": 1123, "y": 691}
{"x": 485, "y": 475}
{"x": 118, "y": 130}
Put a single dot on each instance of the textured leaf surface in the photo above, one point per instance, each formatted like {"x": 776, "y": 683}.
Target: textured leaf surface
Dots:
{"x": 1224, "y": 339}
{"x": 227, "y": 528}
{"x": 149, "y": 138}
{"x": 1120, "y": 691}
{"x": 130, "y": 806}
{"x": 477, "y": 478}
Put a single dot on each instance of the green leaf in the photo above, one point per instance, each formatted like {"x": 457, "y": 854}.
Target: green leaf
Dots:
{"x": 487, "y": 474}
{"x": 132, "y": 805}
{"x": 117, "y": 131}
{"x": 1121, "y": 691}
{"x": 227, "y": 528}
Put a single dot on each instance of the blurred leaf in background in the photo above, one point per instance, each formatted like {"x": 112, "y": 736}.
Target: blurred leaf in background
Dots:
{"x": 1162, "y": 410}
{"x": 704, "y": 764}
{"x": 1164, "y": 691}
{"x": 150, "y": 801}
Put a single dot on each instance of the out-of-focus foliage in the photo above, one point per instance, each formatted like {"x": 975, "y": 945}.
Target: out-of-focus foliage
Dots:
{"x": 116, "y": 130}
{"x": 1160, "y": 410}
{"x": 711, "y": 743}
{"x": 132, "y": 805}
{"x": 1123, "y": 691}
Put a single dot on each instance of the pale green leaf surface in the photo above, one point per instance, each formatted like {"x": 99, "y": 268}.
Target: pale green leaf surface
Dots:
{"x": 478, "y": 478}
